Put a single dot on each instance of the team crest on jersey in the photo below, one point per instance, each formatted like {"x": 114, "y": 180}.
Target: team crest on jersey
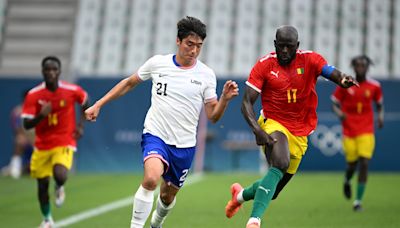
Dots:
{"x": 367, "y": 93}
{"x": 62, "y": 103}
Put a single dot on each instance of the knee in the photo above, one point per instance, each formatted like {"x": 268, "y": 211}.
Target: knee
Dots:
{"x": 60, "y": 174}
{"x": 364, "y": 163}
{"x": 166, "y": 198}
{"x": 282, "y": 165}
{"x": 150, "y": 182}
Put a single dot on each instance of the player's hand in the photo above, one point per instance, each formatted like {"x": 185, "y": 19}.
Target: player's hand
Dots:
{"x": 78, "y": 131}
{"x": 92, "y": 112}
{"x": 264, "y": 139}
{"x": 380, "y": 123}
{"x": 348, "y": 81}
{"x": 45, "y": 109}
{"x": 230, "y": 90}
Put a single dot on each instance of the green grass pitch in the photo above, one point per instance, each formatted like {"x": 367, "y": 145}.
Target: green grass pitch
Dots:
{"x": 310, "y": 200}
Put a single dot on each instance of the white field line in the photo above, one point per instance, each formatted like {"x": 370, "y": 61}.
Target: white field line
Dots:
{"x": 111, "y": 206}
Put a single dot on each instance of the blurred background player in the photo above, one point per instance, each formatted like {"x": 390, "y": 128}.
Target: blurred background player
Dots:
{"x": 354, "y": 108}
{"x": 181, "y": 86}
{"x": 49, "y": 108}
{"x": 286, "y": 81}
{"x": 23, "y": 144}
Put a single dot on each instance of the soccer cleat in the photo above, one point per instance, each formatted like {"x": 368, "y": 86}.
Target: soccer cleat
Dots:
{"x": 47, "y": 223}
{"x": 233, "y": 205}
{"x": 357, "y": 206}
{"x": 347, "y": 190}
{"x": 254, "y": 223}
{"x": 60, "y": 196}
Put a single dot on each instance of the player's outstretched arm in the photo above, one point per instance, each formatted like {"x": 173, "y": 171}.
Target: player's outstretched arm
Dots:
{"x": 381, "y": 113}
{"x": 117, "y": 91}
{"x": 215, "y": 109}
{"x": 342, "y": 79}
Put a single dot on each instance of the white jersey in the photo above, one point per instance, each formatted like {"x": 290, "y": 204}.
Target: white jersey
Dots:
{"x": 177, "y": 97}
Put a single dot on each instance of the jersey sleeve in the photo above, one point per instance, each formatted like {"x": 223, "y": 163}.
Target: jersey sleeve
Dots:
{"x": 256, "y": 78}
{"x": 80, "y": 95}
{"x": 210, "y": 92}
{"x": 144, "y": 72}
{"x": 337, "y": 95}
{"x": 29, "y": 109}
{"x": 317, "y": 62}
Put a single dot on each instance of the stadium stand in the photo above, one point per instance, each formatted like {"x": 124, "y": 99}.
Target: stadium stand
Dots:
{"x": 140, "y": 32}
{"x": 301, "y": 17}
{"x": 273, "y": 16}
{"x": 220, "y": 35}
{"x": 378, "y": 32}
{"x": 245, "y": 37}
{"x": 2, "y": 16}
{"x": 165, "y": 35}
{"x": 111, "y": 38}
{"x": 86, "y": 34}
{"x": 325, "y": 29}
{"x": 34, "y": 29}
{"x": 351, "y": 33}
{"x": 396, "y": 41}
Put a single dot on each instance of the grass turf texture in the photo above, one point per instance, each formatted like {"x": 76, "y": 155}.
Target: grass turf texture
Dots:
{"x": 310, "y": 200}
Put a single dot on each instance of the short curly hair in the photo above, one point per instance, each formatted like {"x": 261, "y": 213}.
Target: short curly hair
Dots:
{"x": 361, "y": 57}
{"x": 52, "y": 58}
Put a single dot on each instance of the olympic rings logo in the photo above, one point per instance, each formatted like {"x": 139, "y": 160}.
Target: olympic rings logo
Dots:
{"x": 328, "y": 139}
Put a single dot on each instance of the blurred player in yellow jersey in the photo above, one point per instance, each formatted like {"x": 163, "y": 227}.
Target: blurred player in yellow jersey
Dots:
{"x": 354, "y": 108}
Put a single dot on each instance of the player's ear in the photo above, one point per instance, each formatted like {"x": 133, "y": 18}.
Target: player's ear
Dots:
{"x": 298, "y": 44}
{"x": 178, "y": 41}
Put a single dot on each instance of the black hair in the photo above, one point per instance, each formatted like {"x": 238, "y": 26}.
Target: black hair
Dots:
{"x": 189, "y": 25}
{"x": 362, "y": 57}
{"x": 52, "y": 58}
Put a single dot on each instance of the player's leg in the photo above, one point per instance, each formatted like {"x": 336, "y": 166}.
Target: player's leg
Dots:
{"x": 41, "y": 170}
{"x": 180, "y": 160}
{"x": 165, "y": 202}
{"x": 144, "y": 196}
{"x": 280, "y": 158}
{"x": 62, "y": 161}
{"x": 282, "y": 183}
{"x": 365, "y": 145}
{"x": 362, "y": 181}
{"x": 350, "y": 152}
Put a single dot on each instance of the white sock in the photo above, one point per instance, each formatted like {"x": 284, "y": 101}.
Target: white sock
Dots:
{"x": 239, "y": 197}
{"x": 16, "y": 166}
{"x": 142, "y": 205}
{"x": 161, "y": 212}
{"x": 253, "y": 220}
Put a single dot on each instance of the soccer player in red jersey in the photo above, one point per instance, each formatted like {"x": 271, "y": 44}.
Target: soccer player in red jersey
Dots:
{"x": 354, "y": 108}
{"x": 286, "y": 81}
{"x": 49, "y": 108}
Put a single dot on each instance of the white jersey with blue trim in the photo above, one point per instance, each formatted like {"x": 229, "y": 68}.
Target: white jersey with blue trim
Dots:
{"x": 177, "y": 97}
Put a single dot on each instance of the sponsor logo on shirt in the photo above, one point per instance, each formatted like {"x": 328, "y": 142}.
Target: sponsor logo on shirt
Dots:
{"x": 195, "y": 82}
{"x": 276, "y": 74}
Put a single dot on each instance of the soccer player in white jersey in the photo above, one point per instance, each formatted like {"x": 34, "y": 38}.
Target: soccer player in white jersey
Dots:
{"x": 181, "y": 86}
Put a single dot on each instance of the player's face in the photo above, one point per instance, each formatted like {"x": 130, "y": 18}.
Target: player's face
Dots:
{"x": 189, "y": 49}
{"x": 361, "y": 67}
{"x": 51, "y": 72}
{"x": 285, "y": 50}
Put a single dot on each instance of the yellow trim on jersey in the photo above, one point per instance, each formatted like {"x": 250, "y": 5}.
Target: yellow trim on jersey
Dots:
{"x": 359, "y": 146}
{"x": 42, "y": 161}
{"x": 297, "y": 144}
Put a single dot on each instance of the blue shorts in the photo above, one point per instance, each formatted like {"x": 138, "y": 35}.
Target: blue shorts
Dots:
{"x": 177, "y": 160}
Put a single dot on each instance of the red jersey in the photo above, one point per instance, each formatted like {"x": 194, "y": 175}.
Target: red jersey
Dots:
{"x": 58, "y": 127}
{"x": 288, "y": 92}
{"x": 356, "y": 104}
